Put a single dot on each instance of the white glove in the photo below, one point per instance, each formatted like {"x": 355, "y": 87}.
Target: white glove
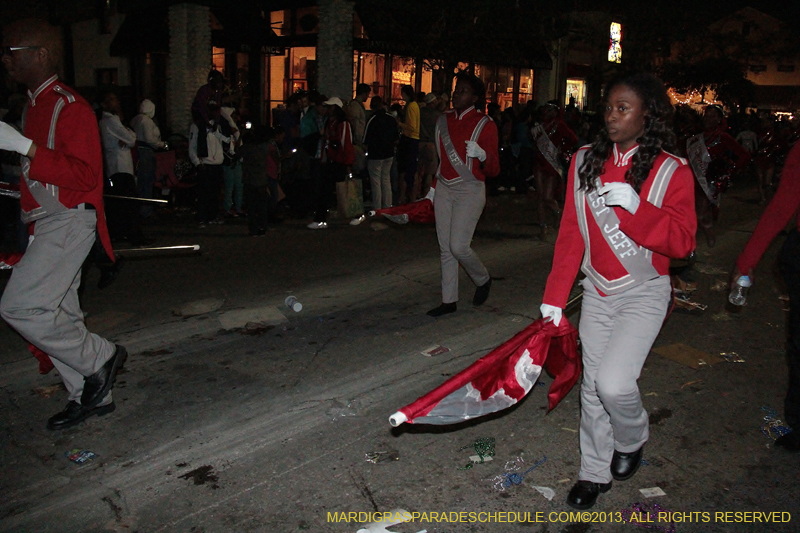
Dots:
{"x": 473, "y": 150}
{"x": 431, "y": 193}
{"x": 621, "y": 194}
{"x": 13, "y": 141}
{"x": 553, "y": 313}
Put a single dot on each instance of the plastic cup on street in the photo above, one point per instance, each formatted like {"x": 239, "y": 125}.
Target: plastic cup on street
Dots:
{"x": 292, "y": 303}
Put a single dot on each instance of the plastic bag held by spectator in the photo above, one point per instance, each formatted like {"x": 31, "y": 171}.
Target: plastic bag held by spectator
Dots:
{"x": 503, "y": 377}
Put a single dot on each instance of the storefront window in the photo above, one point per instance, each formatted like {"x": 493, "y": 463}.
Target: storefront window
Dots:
{"x": 373, "y": 72}
{"x": 525, "y": 85}
{"x": 218, "y": 59}
{"x": 302, "y": 69}
{"x": 505, "y": 87}
{"x": 403, "y": 71}
{"x": 576, "y": 88}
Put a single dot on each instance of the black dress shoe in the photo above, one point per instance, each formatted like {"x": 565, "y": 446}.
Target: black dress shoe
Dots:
{"x": 96, "y": 386}
{"x": 75, "y": 413}
{"x": 443, "y": 309}
{"x": 482, "y": 293}
{"x": 584, "y": 494}
{"x": 625, "y": 465}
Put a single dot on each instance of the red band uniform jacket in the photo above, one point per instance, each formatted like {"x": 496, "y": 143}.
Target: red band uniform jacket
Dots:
{"x": 460, "y": 127}
{"x": 668, "y": 231}
{"x": 73, "y": 168}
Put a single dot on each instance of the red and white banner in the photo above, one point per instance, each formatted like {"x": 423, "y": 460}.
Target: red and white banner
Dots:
{"x": 420, "y": 211}
{"x": 503, "y": 377}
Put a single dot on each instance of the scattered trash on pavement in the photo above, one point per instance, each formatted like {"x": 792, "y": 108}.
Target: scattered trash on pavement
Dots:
{"x": 477, "y": 459}
{"x": 682, "y": 301}
{"x": 292, "y": 303}
{"x": 547, "y": 492}
{"x": 378, "y": 226}
{"x": 382, "y": 456}
{"x": 686, "y": 355}
{"x": 649, "y": 515}
{"x": 773, "y": 427}
{"x": 435, "y": 350}
{"x": 690, "y": 383}
{"x": 562, "y": 481}
{"x": 683, "y": 286}
{"x": 721, "y": 316}
{"x": 339, "y": 409}
{"x": 483, "y": 447}
{"x": 570, "y": 430}
{"x": 651, "y": 394}
{"x": 731, "y": 357}
{"x": 511, "y": 477}
{"x": 80, "y": 457}
{"x": 652, "y": 492}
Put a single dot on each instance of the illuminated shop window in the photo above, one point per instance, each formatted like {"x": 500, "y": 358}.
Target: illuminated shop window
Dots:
{"x": 615, "y": 40}
{"x": 218, "y": 59}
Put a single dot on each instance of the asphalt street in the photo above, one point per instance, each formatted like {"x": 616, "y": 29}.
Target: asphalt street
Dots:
{"x": 254, "y": 418}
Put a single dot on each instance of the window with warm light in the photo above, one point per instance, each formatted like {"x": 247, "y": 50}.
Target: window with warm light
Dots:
{"x": 615, "y": 43}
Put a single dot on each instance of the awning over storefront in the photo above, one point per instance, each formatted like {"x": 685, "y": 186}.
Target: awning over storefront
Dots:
{"x": 142, "y": 32}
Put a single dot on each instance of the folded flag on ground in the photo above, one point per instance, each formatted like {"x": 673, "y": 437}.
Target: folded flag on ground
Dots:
{"x": 503, "y": 377}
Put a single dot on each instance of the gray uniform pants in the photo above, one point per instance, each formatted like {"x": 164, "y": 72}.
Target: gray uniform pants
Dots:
{"x": 41, "y": 298}
{"x": 457, "y": 208}
{"x": 616, "y": 333}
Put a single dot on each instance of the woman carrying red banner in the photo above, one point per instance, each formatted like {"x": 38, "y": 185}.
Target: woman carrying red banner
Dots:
{"x": 629, "y": 209}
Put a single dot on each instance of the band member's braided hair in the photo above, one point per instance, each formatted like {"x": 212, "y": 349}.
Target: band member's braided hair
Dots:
{"x": 658, "y": 134}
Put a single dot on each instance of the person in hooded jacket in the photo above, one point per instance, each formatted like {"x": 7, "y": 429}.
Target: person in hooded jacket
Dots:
{"x": 148, "y": 140}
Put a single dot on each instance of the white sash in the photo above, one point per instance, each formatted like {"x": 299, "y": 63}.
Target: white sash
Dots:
{"x": 699, "y": 159}
{"x": 45, "y": 194}
{"x": 464, "y": 169}
{"x": 636, "y": 259}
{"x": 547, "y": 148}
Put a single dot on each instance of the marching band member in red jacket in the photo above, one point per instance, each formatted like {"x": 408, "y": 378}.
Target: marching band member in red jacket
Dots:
{"x": 466, "y": 141}
{"x": 714, "y": 157}
{"x": 629, "y": 209}
{"x": 62, "y": 202}
{"x": 555, "y": 143}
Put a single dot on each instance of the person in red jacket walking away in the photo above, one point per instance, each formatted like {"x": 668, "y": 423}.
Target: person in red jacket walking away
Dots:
{"x": 466, "y": 141}
{"x": 629, "y": 209}
{"x": 62, "y": 203}
{"x": 784, "y": 205}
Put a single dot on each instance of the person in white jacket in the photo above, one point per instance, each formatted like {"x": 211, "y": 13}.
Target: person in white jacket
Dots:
{"x": 209, "y": 173}
{"x": 117, "y": 139}
{"x": 148, "y": 140}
